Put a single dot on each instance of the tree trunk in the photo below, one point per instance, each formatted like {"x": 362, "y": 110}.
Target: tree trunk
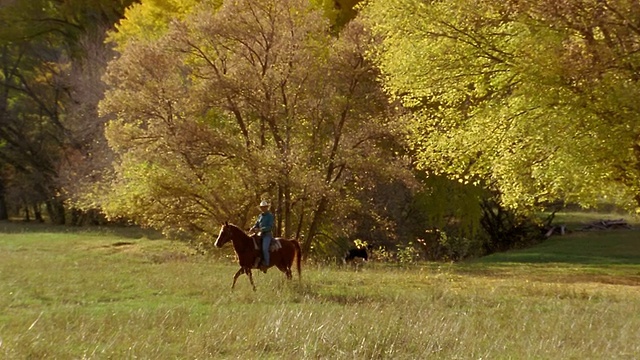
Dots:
{"x": 55, "y": 209}
{"x": 4, "y": 212}
{"x": 279, "y": 213}
{"x": 287, "y": 212}
{"x": 76, "y": 217}
{"x": 37, "y": 213}
{"x": 27, "y": 214}
{"x": 300, "y": 222}
{"x": 283, "y": 213}
{"x": 313, "y": 228}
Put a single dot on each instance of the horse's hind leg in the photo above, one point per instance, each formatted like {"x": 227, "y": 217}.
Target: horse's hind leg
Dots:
{"x": 248, "y": 271}
{"x": 286, "y": 270}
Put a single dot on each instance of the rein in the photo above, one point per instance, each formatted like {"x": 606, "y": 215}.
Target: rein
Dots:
{"x": 238, "y": 237}
{"x": 239, "y": 234}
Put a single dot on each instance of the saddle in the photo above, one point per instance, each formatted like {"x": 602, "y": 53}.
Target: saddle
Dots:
{"x": 274, "y": 246}
{"x": 257, "y": 244}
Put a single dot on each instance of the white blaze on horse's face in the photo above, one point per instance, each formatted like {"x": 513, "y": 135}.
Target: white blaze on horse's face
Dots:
{"x": 222, "y": 237}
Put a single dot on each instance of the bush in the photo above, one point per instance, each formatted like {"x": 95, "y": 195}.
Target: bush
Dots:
{"x": 508, "y": 230}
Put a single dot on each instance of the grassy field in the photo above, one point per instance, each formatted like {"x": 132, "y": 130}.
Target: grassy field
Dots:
{"x": 121, "y": 295}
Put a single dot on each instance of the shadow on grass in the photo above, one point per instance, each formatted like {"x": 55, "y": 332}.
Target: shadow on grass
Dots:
{"x": 615, "y": 247}
{"x": 130, "y": 232}
{"x": 540, "y": 258}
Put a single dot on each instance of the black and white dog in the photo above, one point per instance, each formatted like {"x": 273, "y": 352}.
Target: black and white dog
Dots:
{"x": 356, "y": 254}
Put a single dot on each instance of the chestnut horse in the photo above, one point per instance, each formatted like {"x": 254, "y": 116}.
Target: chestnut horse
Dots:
{"x": 247, "y": 249}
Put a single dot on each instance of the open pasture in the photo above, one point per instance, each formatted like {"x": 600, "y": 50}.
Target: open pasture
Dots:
{"x": 107, "y": 295}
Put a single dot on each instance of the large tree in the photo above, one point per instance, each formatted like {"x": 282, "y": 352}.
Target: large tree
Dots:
{"x": 536, "y": 99}
{"x": 253, "y": 100}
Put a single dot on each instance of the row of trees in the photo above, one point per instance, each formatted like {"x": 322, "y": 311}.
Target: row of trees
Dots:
{"x": 409, "y": 116}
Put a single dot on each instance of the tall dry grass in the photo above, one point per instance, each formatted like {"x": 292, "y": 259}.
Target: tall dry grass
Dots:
{"x": 105, "y": 296}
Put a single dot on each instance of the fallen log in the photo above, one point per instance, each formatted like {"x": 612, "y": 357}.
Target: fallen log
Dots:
{"x": 607, "y": 224}
{"x": 559, "y": 229}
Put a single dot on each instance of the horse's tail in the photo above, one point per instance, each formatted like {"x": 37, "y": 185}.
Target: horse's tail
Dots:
{"x": 299, "y": 258}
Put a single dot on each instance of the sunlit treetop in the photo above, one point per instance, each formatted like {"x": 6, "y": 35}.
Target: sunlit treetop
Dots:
{"x": 149, "y": 19}
{"x": 535, "y": 98}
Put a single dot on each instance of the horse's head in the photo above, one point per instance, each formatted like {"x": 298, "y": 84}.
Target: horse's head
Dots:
{"x": 225, "y": 235}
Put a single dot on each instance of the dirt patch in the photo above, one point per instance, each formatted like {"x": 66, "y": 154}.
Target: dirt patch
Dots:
{"x": 168, "y": 256}
{"x": 121, "y": 243}
{"x": 626, "y": 280}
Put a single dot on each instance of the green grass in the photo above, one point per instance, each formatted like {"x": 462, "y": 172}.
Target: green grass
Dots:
{"x": 595, "y": 247}
{"x": 113, "y": 294}
{"x": 578, "y": 219}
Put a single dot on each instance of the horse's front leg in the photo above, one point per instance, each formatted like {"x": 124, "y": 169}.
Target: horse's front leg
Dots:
{"x": 235, "y": 277}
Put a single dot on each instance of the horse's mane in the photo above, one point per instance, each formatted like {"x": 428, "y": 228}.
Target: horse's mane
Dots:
{"x": 238, "y": 229}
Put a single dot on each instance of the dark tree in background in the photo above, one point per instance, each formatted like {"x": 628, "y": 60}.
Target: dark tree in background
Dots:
{"x": 42, "y": 44}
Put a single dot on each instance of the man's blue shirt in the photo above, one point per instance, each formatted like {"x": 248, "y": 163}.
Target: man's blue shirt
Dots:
{"x": 265, "y": 222}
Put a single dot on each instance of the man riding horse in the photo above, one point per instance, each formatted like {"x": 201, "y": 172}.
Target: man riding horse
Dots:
{"x": 264, "y": 225}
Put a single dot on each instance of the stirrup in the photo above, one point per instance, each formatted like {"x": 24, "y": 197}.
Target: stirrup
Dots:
{"x": 263, "y": 267}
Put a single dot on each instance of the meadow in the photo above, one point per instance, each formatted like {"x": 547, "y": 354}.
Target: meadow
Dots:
{"x": 122, "y": 294}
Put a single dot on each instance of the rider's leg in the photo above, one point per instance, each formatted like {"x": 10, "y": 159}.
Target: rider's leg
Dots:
{"x": 266, "y": 242}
